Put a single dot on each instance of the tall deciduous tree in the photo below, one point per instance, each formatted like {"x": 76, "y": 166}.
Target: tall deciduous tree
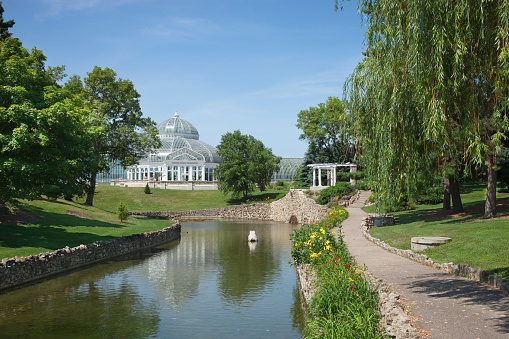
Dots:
{"x": 245, "y": 163}
{"x": 42, "y": 148}
{"x": 115, "y": 122}
{"x": 328, "y": 130}
{"x": 433, "y": 86}
{"x": 327, "y": 127}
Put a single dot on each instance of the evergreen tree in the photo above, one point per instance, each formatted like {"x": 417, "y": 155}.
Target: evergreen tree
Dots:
{"x": 4, "y": 26}
{"x": 121, "y": 211}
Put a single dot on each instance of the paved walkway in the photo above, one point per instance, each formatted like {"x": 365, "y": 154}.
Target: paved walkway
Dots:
{"x": 447, "y": 306}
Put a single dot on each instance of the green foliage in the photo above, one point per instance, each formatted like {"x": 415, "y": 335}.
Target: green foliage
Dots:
{"x": 121, "y": 211}
{"x": 503, "y": 168}
{"x": 328, "y": 130}
{"x": 4, "y": 26}
{"x": 245, "y": 164}
{"x": 146, "y": 189}
{"x": 364, "y": 185}
{"x": 431, "y": 94}
{"x": 339, "y": 190}
{"x": 280, "y": 183}
{"x": 328, "y": 127}
{"x": 344, "y": 306}
{"x": 115, "y": 121}
{"x": 477, "y": 242}
{"x": 35, "y": 122}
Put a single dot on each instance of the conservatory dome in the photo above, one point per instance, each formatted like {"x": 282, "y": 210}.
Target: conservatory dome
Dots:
{"x": 182, "y": 156}
{"x": 177, "y": 127}
{"x": 180, "y": 141}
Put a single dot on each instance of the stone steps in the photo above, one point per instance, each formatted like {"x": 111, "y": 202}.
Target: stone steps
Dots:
{"x": 362, "y": 200}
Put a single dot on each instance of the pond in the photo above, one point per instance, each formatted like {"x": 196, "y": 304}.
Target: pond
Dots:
{"x": 211, "y": 283}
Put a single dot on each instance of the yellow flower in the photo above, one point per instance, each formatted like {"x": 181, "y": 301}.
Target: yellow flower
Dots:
{"x": 313, "y": 255}
{"x": 322, "y": 230}
{"x": 296, "y": 244}
{"x": 350, "y": 279}
{"x": 312, "y": 237}
{"x": 358, "y": 272}
{"x": 327, "y": 247}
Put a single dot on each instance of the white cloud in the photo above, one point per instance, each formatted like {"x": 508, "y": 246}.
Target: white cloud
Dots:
{"x": 182, "y": 29}
{"x": 185, "y": 29}
{"x": 58, "y": 6}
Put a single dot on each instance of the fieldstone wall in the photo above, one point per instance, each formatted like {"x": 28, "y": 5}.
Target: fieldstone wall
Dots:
{"x": 383, "y": 219}
{"x": 295, "y": 204}
{"x": 20, "y": 270}
{"x": 395, "y": 319}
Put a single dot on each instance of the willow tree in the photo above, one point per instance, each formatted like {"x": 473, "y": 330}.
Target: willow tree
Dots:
{"x": 432, "y": 91}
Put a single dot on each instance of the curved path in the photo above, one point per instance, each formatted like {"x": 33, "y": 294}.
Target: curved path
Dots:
{"x": 445, "y": 305}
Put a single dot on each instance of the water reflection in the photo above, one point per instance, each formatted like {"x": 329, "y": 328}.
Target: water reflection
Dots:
{"x": 211, "y": 283}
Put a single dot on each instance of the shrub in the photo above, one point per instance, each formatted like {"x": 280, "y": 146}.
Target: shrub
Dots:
{"x": 362, "y": 185}
{"x": 121, "y": 212}
{"x": 339, "y": 190}
{"x": 147, "y": 189}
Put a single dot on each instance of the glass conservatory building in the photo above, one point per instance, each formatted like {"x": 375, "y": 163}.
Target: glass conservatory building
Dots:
{"x": 288, "y": 169}
{"x": 181, "y": 157}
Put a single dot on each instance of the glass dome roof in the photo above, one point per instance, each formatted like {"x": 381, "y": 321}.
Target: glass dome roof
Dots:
{"x": 177, "y": 127}
{"x": 180, "y": 142}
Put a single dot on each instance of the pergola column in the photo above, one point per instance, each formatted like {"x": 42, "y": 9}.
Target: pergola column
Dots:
{"x": 320, "y": 176}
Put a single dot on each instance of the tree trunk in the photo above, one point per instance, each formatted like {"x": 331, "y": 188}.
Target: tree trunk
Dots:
{"x": 457, "y": 206}
{"x": 91, "y": 192}
{"x": 447, "y": 194}
{"x": 491, "y": 193}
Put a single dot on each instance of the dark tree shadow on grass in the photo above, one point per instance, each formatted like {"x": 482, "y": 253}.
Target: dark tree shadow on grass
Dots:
{"x": 260, "y": 197}
{"x": 54, "y": 238}
{"x": 468, "y": 292}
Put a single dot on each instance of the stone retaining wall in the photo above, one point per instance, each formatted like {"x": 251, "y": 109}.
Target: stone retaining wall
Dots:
{"x": 295, "y": 204}
{"x": 461, "y": 270}
{"x": 395, "y": 320}
{"x": 383, "y": 219}
{"x": 20, "y": 270}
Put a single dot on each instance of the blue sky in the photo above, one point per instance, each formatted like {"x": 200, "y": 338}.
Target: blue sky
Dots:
{"x": 224, "y": 65}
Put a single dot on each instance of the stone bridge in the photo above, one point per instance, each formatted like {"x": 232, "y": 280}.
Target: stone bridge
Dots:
{"x": 295, "y": 207}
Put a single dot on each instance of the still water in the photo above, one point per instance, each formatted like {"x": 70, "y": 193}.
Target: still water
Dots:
{"x": 211, "y": 283}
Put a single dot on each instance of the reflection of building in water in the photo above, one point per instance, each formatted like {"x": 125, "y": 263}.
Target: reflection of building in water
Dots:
{"x": 175, "y": 273}
{"x": 218, "y": 253}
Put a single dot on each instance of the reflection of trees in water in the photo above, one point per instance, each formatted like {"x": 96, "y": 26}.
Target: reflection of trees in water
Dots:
{"x": 297, "y": 312}
{"x": 245, "y": 272}
{"x": 103, "y": 308}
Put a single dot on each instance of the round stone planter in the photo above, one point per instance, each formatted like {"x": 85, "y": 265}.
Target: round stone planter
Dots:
{"x": 421, "y": 243}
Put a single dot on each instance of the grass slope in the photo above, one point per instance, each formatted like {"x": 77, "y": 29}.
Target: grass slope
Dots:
{"x": 62, "y": 223}
{"x": 478, "y": 242}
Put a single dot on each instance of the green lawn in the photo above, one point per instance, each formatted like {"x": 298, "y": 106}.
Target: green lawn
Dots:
{"x": 477, "y": 242}
{"x": 62, "y": 223}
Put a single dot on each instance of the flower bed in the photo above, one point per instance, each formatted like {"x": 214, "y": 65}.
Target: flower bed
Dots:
{"x": 343, "y": 305}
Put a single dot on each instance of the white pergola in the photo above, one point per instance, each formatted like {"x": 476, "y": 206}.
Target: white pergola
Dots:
{"x": 331, "y": 174}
